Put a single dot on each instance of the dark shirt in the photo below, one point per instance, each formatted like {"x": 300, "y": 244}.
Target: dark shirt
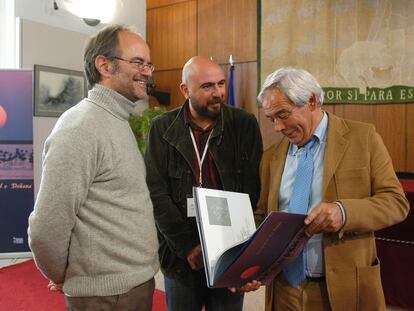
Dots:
{"x": 209, "y": 174}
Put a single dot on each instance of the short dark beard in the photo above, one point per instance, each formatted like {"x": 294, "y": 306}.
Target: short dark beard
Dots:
{"x": 208, "y": 114}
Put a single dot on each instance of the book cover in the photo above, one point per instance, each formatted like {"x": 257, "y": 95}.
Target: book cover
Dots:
{"x": 234, "y": 251}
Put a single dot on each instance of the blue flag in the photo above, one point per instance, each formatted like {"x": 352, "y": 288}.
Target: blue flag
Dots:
{"x": 231, "y": 98}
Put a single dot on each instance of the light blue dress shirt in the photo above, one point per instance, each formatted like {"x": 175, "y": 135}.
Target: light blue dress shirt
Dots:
{"x": 313, "y": 251}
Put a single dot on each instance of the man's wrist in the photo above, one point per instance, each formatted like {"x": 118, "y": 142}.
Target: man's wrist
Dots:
{"x": 342, "y": 208}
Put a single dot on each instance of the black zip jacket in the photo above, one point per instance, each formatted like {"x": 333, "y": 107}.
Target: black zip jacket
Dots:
{"x": 236, "y": 147}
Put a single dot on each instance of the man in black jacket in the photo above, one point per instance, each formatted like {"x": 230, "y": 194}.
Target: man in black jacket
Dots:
{"x": 204, "y": 143}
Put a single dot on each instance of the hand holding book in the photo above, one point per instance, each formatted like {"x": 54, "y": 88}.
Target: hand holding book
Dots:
{"x": 234, "y": 253}
{"x": 195, "y": 258}
{"x": 248, "y": 287}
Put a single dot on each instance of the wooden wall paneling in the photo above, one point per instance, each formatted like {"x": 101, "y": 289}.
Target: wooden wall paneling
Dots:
{"x": 389, "y": 121}
{"x": 151, "y": 4}
{"x": 364, "y": 113}
{"x": 227, "y": 27}
{"x": 329, "y": 108}
{"x": 410, "y": 137}
{"x": 246, "y": 85}
{"x": 391, "y": 125}
{"x": 168, "y": 81}
{"x": 171, "y": 34}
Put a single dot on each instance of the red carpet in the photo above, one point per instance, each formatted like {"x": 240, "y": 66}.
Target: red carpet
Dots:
{"x": 23, "y": 288}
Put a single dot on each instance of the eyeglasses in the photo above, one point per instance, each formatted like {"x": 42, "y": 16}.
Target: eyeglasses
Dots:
{"x": 138, "y": 63}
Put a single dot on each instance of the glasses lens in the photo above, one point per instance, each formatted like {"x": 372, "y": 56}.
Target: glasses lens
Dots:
{"x": 150, "y": 67}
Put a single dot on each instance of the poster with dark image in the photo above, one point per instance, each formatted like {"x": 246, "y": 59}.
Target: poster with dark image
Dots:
{"x": 56, "y": 90}
{"x": 16, "y": 161}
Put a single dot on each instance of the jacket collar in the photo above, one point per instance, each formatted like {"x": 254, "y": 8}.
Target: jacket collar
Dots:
{"x": 277, "y": 164}
{"x": 336, "y": 145}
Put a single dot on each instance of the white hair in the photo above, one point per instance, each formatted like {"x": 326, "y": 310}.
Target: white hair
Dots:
{"x": 297, "y": 84}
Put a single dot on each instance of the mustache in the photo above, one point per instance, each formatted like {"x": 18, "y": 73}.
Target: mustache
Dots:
{"x": 143, "y": 79}
{"x": 215, "y": 100}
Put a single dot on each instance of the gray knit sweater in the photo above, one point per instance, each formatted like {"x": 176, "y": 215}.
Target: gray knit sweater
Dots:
{"x": 92, "y": 226}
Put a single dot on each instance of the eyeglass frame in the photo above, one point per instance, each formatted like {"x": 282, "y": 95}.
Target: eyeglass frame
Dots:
{"x": 138, "y": 63}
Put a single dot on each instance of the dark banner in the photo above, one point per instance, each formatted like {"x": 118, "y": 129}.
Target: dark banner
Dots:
{"x": 16, "y": 159}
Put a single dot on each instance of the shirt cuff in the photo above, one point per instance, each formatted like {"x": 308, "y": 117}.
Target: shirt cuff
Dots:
{"x": 341, "y": 206}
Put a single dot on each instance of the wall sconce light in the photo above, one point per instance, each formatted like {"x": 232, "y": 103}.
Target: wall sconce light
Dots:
{"x": 92, "y": 12}
{"x": 91, "y": 21}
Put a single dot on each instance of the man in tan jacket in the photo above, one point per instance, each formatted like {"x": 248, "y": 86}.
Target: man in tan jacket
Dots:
{"x": 353, "y": 192}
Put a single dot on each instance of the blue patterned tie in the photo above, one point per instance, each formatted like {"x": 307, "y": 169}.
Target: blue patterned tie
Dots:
{"x": 299, "y": 203}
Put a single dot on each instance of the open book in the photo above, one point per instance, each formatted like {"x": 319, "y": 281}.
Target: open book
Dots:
{"x": 234, "y": 251}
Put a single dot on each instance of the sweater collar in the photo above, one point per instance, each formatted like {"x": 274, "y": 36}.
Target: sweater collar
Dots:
{"x": 110, "y": 100}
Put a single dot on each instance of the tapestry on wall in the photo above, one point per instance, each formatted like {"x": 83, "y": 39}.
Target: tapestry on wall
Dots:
{"x": 360, "y": 51}
{"x": 16, "y": 160}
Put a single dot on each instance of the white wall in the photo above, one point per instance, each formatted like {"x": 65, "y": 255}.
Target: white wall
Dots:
{"x": 128, "y": 12}
{"x": 46, "y": 45}
{"x": 57, "y": 38}
{"x": 8, "y": 46}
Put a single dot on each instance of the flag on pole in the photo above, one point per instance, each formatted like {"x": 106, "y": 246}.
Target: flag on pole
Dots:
{"x": 231, "y": 94}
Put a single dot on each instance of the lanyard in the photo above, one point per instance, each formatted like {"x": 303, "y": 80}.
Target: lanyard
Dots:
{"x": 200, "y": 161}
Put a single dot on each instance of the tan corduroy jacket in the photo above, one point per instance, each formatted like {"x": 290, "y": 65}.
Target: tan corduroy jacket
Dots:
{"x": 357, "y": 171}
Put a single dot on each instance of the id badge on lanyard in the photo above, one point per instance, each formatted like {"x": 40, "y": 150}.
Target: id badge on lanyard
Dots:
{"x": 190, "y": 200}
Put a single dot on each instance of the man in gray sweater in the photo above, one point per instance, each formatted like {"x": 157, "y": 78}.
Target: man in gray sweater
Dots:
{"x": 92, "y": 231}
